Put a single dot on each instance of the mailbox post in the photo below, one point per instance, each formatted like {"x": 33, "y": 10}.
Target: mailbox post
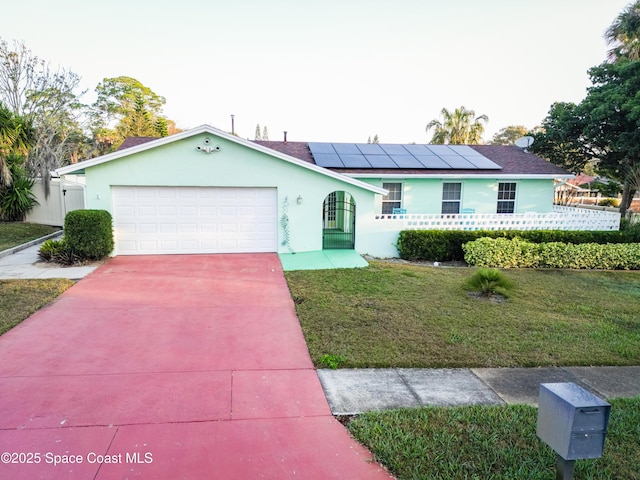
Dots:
{"x": 573, "y": 422}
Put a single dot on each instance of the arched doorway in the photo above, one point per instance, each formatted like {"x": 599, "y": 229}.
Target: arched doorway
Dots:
{"x": 339, "y": 221}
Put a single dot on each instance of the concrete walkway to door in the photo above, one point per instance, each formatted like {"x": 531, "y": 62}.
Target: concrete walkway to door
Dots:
{"x": 170, "y": 367}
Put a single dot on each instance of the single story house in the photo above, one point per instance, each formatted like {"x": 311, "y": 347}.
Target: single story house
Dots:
{"x": 207, "y": 191}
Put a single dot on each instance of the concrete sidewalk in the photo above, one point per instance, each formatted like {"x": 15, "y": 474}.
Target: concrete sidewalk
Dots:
{"x": 24, "y": 263}
{"x": 352, "y": 391}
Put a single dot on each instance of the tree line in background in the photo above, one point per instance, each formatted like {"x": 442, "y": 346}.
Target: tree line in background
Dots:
{"x": 44, "y": 124}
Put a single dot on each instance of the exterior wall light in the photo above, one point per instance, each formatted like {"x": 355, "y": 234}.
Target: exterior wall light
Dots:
{"x": 299, "y": 200}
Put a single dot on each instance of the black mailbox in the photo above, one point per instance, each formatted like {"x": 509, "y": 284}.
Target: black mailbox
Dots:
{"x": 572, "y": 421}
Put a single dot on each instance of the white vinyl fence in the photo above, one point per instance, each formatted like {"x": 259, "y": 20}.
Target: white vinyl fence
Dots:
{"x": 562, "y": 218}
{"x": 64, "y": 197}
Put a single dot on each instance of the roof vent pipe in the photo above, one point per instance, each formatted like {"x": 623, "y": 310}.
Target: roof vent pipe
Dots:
{"x": 233, "y": 125}
{"x": 285, "y": 135}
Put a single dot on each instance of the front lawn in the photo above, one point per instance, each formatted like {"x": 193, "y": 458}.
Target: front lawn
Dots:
{"x": 399, "y": 315}
{"x": 21, "y": 298}
{"x": 483, "y": 442}
{"x": 13, "y": 234}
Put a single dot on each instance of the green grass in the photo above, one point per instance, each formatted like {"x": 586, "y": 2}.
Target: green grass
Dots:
{"x": 485, "y": 443}
{"x": 13, "y": 234}
{"x": 21, "y": 298}
{"x": 398, "y": 315}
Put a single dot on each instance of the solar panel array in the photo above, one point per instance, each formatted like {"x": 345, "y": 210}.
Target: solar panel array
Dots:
{"x": 396, "y": 156}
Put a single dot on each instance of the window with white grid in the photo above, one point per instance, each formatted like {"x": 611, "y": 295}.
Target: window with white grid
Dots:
{"x": 393, "y": 199}
{"x": 506, "y": 197}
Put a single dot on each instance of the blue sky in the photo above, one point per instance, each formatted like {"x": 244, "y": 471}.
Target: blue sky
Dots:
{"x": 331, "y": 70}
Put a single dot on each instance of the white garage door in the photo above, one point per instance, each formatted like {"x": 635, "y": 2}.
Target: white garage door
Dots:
{"x": 161, "y": 220}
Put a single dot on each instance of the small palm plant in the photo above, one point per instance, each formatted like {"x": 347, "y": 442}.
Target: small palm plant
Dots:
{"x": 489, "y": 282}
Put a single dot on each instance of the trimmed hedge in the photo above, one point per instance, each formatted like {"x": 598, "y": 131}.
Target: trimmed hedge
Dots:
{"x": 446, "y": 245}
{"x": 89, "y": 233}
{"x": 518, "y": 253}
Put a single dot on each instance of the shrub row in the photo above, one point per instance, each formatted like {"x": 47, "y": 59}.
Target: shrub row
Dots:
{"x": 446, "y": 245}
{"x": 518, "y": 253}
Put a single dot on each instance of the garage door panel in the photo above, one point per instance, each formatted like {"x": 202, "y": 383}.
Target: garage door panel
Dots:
{"x": 167, "y": 228}
{"x": 188, "y": 228}
{"x": 148, "y": 228}
{"x": 166, "y": 192}
{"x": 171, "y": 245}
{"x": 228, "y": 228}
{"x": 127, "y": 210}
{"x": 207, "y": 211}
{"x": 208, "y": 228}
{"x": 145, "y": 211}
{"x": 147, "y": 193}
{"x": 228, "y": 211}
{"x": 167, "y": 210}
{"x": 159, "y": 220}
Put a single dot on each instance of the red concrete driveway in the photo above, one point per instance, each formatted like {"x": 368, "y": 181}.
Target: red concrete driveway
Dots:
{"x": 170, "y": 367}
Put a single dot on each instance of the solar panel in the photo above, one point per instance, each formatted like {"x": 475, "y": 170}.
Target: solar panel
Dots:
{"x": 457, "y": 162}
{"x": 463, "y": 150}
{"x": 482, "y": 162}
{"x": 317, "y": 147}
{"x": 393, "y": 156}
{"x": 355, "y": 161}
{"x": 327, "y": 160}
{"x": 406, "y": 161}
{"x": 370, "y": 148}
{"x": 440, "y": 150}
{"x": 346, "y": 149}
{"x": 381, "y": 161}
{"x": 431, "y": 161}
{"x": 393, "y": 149}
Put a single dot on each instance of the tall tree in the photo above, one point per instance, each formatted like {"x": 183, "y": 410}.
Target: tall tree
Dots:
{"x": 126, "y": 108}
{"x": 604, "y": 128}
{"x": 624, "y": 33}
{"x": 258, "y": 134}
{"x": 613, "y": 122}
{"x": 265, "y": 133}
{"x": 561, "y": 139}
{"x": 45, "y": 98}
{"x": 508, "y": 135}
{"x": 461, "y": 127}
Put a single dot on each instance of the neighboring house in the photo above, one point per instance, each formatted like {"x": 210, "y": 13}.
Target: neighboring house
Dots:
{"x": 207, "y": 191}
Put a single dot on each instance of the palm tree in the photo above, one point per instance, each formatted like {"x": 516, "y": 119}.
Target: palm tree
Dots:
{"x": 624, "y": 33}
{"x": 15, "y": 137}
{"x": 460, "y": 127}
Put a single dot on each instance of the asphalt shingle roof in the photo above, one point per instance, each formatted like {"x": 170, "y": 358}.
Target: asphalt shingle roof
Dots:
{"x": 513, "y": 160}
